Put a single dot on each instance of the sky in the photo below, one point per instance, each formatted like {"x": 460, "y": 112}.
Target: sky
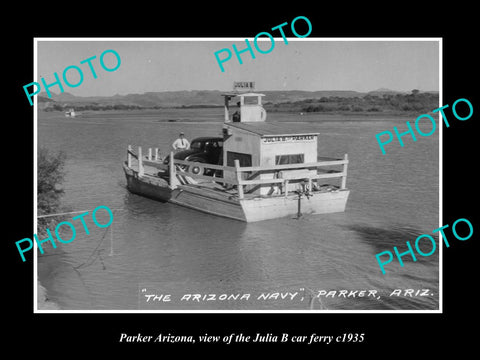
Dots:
{"x": 303, "y": 64}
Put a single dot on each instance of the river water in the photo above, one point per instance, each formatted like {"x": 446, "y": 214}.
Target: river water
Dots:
{"x": 163, "y": 250}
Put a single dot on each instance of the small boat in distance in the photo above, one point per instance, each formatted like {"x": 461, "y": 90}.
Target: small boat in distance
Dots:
{"x": 264, "y": 170}
{"x": 70, "y": 113}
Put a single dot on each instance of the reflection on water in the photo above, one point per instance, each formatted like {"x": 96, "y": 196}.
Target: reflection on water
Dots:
{"x": 385, "y": 239}
{"x": 152, "y": 245}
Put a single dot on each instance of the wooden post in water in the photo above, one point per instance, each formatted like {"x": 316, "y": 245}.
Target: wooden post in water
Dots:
{"x": 239, "y": 179}
{"x": 172, "y": 172}
{"x": 156, "y": 154}
{"x": 140, "y": 161}
{"x": 129, "y": 156}
{"x": 344, "y": 177}
{"x": 150, "y": 154}
{"x": 299, "y": 205}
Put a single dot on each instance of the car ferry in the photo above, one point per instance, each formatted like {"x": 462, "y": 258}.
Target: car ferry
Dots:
{"x": 257, "y": 170}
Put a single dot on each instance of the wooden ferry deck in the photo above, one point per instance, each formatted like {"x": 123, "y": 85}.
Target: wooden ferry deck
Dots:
{"x": 268, "y": 170}
{"x": 237, "y": 199}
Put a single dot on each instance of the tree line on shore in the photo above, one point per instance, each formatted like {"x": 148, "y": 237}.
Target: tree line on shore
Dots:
{"x": 387, "y": 102}
{"x": 416, "y": 101}
{"x": 89, "y": 106}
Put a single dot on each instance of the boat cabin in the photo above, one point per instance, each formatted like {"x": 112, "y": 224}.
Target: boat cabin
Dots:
{"x": 254, "y": 142}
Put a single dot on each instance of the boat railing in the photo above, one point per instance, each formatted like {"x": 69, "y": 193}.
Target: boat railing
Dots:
{"x": 192, "y": 169}
{"x": 279, "y": 175}
{"x": 285, "y": 174}
{"x": 150, "y": 159}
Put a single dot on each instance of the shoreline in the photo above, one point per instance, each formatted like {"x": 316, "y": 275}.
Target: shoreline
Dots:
{"x": 183, "y": 116}
{"x": 60, "y": 286}
{"x": 47, "y": 266}
{"x": 43, "y": 302}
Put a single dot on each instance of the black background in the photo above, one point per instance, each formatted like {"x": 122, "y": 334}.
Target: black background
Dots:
{"x": 385, "y": 334}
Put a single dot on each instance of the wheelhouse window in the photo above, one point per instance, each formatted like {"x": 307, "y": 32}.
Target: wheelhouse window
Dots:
{"x": 289, "y": 159}
{"x": 244, "y": 159}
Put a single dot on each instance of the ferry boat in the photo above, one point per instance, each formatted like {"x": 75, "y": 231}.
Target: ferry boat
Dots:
{"x": 266, "y": 170}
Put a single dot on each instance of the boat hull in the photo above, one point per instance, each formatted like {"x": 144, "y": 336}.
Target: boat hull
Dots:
{"x": 281, "y": 206}
{"x": 156, "y": 189}
{"x": 221, "y": 203}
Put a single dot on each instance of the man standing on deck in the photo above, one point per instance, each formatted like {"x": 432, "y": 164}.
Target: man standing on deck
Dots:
{"x": 181, "y": 143}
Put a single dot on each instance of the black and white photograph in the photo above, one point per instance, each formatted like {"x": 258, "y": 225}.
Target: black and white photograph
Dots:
{"x": 213, "y": 179}
{"x": 260, "y": 187}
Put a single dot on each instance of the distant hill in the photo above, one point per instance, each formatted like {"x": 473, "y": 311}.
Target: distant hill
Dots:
{"x": 64, "y": 97}
{"x": 385, "y": 91}
{"x": 299, "y": 95}
{"x": 189, "y": 98}
{"x": 42, "y": 99}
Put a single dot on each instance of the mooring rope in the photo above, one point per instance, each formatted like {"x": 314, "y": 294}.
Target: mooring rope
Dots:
{"x": 84, "y": 264}
{"x": 68, "y": 213}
